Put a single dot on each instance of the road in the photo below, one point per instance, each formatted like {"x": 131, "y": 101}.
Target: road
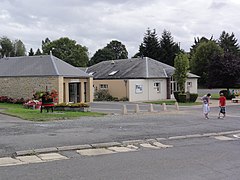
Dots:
{"x": 192, "y": 158}
{"x": 202, "y": 157}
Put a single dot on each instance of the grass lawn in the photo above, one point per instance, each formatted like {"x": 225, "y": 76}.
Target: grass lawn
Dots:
{"x": 215, "y": 96}
{"x": 172, "y": 102}
{"x": 17, "y": 110}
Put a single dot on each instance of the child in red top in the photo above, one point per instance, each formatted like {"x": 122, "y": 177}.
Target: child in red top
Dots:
{"x": 222, "y": 105}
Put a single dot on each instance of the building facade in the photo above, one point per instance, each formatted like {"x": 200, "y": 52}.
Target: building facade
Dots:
{"x": 21, "y": 77}
{"x": 138, "y": 79}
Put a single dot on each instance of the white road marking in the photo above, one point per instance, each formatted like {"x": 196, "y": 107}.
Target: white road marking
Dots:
{"x": 94, "y": 152}
{"x": 132, "y": 146}
{"x": 223, "y": 138}
{"x": 121, "y": 149}
{"x": 236, "y": 135}
{"x": 29, "y": 159}
{"x": 51, "y": 157}
{"x": 158, "y": 144}
{"x": 8, "y": 161}
{"x": 147, "y": 145}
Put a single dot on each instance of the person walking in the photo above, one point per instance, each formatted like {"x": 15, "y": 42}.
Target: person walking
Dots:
{"x": 222, "y": 106}
{"x": 206, "y": 107}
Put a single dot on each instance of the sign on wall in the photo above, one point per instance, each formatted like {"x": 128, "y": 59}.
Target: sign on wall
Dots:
{"x": 138, "y": 88}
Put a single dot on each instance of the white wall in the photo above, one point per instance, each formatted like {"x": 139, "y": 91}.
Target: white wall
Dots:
{"x": 193, "y": 87}
{"x": 148, "y": 92}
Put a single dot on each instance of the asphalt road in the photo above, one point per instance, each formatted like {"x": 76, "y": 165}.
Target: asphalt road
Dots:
{"x": 17, "y": 134}
{"x": 193, "y": 158}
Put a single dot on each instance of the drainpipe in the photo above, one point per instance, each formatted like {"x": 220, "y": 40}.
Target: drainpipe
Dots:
{"x": 125, "y": 81}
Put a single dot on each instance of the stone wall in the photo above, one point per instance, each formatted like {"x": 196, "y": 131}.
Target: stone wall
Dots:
{"x": 24, "y": 87}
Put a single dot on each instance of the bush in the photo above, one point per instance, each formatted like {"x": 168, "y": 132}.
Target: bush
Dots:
{"x": 182, "y": 98}
{"x": 193, "y": 97}
{"x": 103, "y": 95}
{"x": 7, "y": 99}
{"x": 115, "y": 99}
{"x": 124, "y": 99}
{"x": 3, "y": 99}
{"x": 72, "y": 105}
{"x": 176, "y": 93}
{"x": 227, "y": 94}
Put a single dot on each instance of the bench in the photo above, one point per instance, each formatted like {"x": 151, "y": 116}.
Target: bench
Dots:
{"x": 235, "y": 100}
{"x": 47, "y": 107}
{"x": 47, "y": 103}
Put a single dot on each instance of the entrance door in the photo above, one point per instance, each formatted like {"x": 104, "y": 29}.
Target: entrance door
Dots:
{"x": 74, "y": 92}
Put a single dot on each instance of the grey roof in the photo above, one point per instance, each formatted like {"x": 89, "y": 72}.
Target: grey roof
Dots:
{"x": 46, "y": 65}
{"x": 135, "y": 68}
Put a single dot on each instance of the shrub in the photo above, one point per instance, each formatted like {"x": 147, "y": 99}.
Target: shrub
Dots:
{"x": 63, "y": 104}
{"x": 227, "y": 94}
{"x": 79, "y": 105}
{"x": 72, "y": 105}
{"x": 182, "y": 98}
{"x": 3, "y": 99}
{"x": 103, "y": 95}
{"x": 176, "y": 93}
{"x": 115, "y": 99}
{"x": 124, "y": 99}
{"x": 7, "y": 99}
{"x": 193, "y": 97}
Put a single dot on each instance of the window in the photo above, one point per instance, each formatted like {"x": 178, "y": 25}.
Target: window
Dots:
{"x": 112, "y": 73}
{"x": 174, "y": 85}
{"x": 157, "y": 86}
{"x": 103, "y": 86}
{"x": 189, "y": 84}
{"x": 138, "y": 89}
{"x": 91, "y": 73}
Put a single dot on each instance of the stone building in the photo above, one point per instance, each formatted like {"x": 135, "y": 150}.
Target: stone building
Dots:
{"x": 21, "y": 77}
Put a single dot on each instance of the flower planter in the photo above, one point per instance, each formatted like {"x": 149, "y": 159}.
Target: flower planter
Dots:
{"x": 69, "y": 108}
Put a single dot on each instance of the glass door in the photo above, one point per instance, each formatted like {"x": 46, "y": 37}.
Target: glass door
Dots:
{"x": 74, "y": 92}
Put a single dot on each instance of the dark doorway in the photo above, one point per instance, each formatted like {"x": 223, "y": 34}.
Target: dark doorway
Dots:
{"x": 74, "y": 92}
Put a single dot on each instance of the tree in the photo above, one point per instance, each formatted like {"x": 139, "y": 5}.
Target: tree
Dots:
{"x": 181, "y": 64}
{"x": 10, "y": 48}
{"x": 114, "y": 50}
{"x": 38, "y": 52}
{"x": 223, "y": 70}
{"x": 45, "y": 43}
{"x": 6, "y": 47}
{"x": 201, "y": 58}
{"x": 101, "y": 55}
{"x": 19, "y": 48}
{"x": 118, "y": 49}
{"x": 197, "y": 42}
{"x": 31, "y": 53}
{"x": 168, "y": 48}
{"x": 228, "y": 43}
{"x": 150, "y": 46}
{"x": 67, "y": 50}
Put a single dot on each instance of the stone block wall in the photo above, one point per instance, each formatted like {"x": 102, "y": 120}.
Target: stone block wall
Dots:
{"x": 24, "y": 87}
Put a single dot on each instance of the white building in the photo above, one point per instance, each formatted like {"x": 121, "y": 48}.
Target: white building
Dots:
{"x": 138, "y": 79}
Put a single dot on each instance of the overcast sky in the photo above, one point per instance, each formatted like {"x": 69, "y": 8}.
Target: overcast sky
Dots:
{"x": 95, "y": 23}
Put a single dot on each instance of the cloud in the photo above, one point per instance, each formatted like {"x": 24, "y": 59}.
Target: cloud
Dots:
{"x": 95, "y": 23}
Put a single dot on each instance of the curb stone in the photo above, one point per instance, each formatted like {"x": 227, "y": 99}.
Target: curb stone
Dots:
{"x": 45, "y": 150}
{"x": 76, "y": 147}
{"x": 104, "y": 145}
